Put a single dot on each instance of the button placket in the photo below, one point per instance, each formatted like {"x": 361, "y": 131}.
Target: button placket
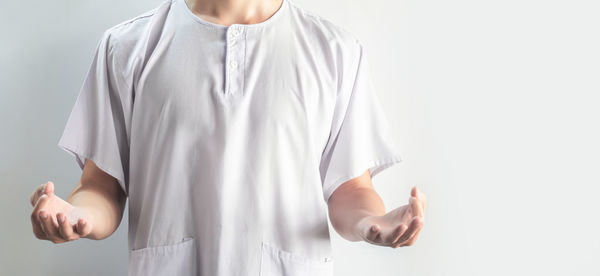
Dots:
{"x": 236, "y": 44}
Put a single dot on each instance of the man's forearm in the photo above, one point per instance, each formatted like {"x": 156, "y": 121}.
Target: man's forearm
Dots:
{"x": 103, "y": 207}
{"x": 351, "y": 202}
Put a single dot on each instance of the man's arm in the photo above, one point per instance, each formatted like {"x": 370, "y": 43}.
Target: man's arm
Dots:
{"x": 357, "y": 213}
{"x": 96, "y": 205}
{"x": 352, "y": 201}
{"x": 100, "y": 195}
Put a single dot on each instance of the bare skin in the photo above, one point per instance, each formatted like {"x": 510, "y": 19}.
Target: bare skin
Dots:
{"x": 93, "y": 210}
{"x": 357, "y": 213}
{"x": 356, "y": 210}
{"x": 227, "y": 12}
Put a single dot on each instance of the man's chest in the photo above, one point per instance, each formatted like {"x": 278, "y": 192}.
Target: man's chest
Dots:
{"x": 271, "y": 86}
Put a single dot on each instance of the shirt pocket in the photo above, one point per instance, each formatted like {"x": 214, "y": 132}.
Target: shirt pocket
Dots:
{"x": 277, "y": 262}
{"x": 172, "y": 259}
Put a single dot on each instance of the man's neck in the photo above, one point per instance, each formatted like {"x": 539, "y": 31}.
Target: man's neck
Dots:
{"x": 227, "y": 12}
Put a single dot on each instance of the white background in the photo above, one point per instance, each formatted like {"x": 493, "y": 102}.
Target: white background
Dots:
{"x": 494, "y": 106}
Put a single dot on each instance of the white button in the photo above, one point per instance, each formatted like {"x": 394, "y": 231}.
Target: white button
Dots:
{"x": 235, "y": 32}
{"x": 233, "y": 63}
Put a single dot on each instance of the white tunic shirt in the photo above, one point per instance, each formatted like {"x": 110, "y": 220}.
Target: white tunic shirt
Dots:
{"x": 228, "y": 140}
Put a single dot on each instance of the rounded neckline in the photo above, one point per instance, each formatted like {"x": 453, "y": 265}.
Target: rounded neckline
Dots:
{"x": 268, "y": 21}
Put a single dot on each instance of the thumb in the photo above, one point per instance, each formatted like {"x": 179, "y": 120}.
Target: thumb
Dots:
{"x": 40, "y": 191}
{"x": 414, "y": 192}
{"x": 49, "y": 188}
{"x": 83, "y": 227}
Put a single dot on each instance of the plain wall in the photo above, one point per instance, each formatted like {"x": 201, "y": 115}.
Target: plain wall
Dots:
{"x": 494, "y": 106}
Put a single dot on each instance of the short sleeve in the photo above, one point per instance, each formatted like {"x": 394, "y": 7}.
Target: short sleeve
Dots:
{"x": 360, "y": 136}
{"x": 96, "y": 128}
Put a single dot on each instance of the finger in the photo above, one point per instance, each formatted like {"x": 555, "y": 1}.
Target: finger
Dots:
{"x": 38, "y": 232}
{"x": 36, "y": 221}
{"x": 414, "y": 192}
{"x": 83, "y": 228}
{"x": 37, "y": 193}
{"x": 39, "y": 205}
{"x": 373, "y": 232}
{"x": 420, "y": 196}
{"x": 65, "y": 229}
{"x": 414, "y": 226}
{"x": 400, "y": 229}
{"x": 413, "y": 239}
{"x": 410, "y": 240}
{"x": 49, "y": 226}
{"x": 414, "y": 205}
{"x": 49, "y": 188}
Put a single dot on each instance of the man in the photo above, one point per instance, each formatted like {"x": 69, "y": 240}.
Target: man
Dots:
{"x": 234, "y": 127}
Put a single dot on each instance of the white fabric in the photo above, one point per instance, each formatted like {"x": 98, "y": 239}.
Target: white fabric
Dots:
{"x": 228, "y": 140}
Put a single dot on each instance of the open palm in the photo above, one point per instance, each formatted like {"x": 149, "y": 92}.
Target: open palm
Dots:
{"x": 399, "y": 227}
{"x": 49, "y": 209}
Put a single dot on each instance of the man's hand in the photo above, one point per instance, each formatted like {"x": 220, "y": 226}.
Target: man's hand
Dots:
{"x": 357, "y": 213}
{"x": 399, "y": 227}
{"x": 55, "y": 219}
